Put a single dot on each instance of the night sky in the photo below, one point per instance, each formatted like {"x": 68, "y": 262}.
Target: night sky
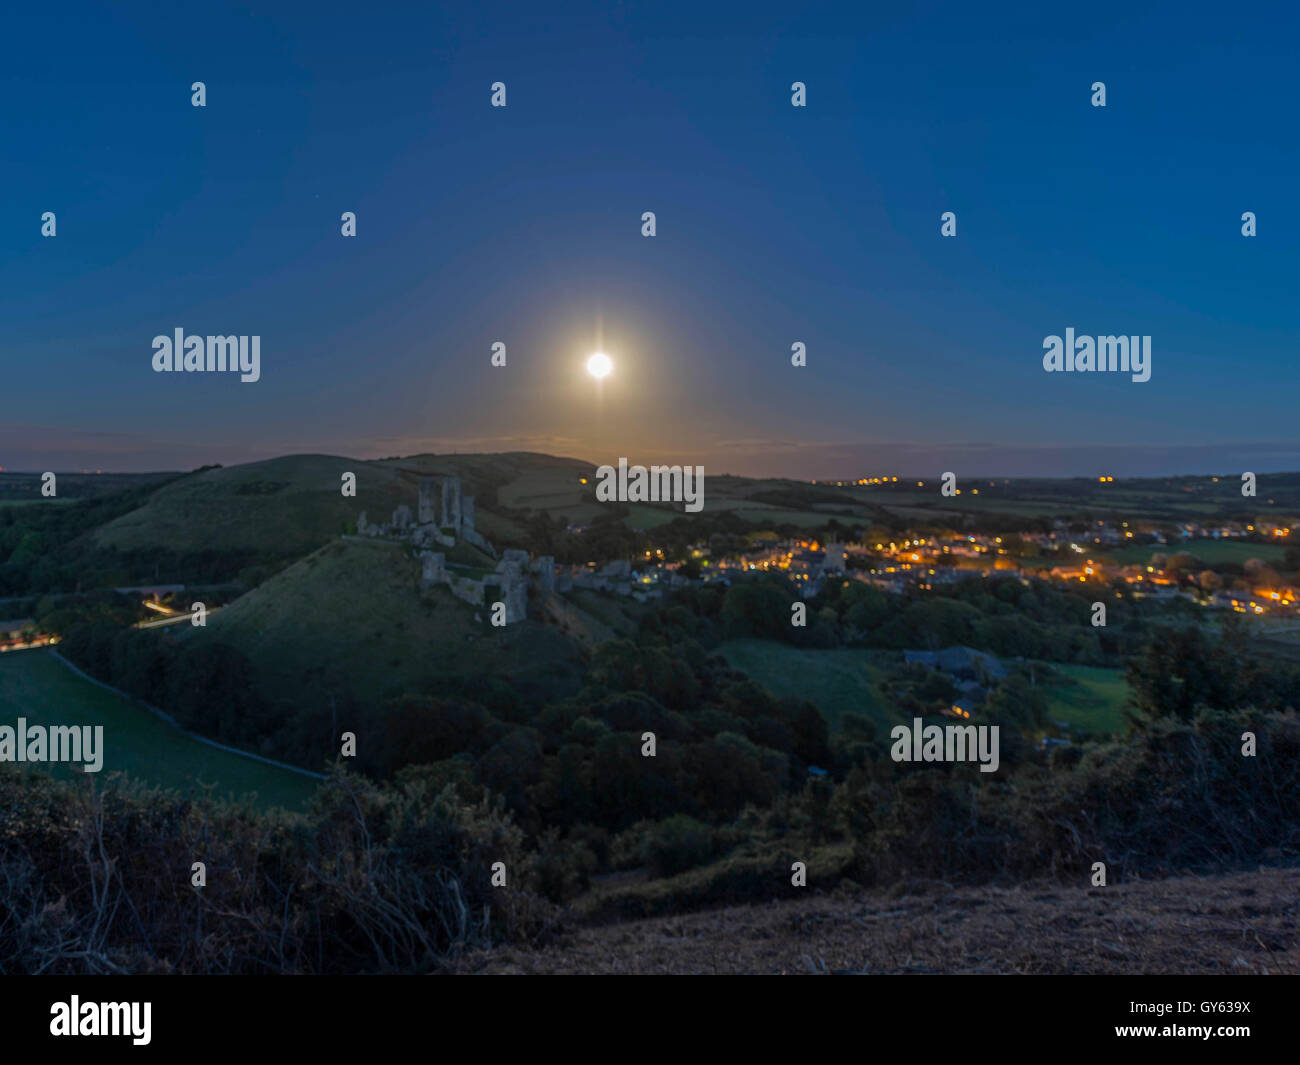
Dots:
{"x": 776, "y": 224}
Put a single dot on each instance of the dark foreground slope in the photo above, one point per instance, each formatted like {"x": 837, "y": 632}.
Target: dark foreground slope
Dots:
{"x": 1244, "y": 923}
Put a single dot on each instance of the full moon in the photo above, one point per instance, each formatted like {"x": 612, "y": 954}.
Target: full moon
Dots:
{"x": 599, "y": 365}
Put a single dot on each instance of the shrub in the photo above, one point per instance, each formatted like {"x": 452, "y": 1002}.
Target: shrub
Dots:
{"x": 396, "y": 879}
{"x": 676, "y": 844}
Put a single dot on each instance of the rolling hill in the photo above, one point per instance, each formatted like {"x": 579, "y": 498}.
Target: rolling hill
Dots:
{"x": 284, "y": 506}
{"x": 350, "y": 620}
{"x": 293, "y": 504}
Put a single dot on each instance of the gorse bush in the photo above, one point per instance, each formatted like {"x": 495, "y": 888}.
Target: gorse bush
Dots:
{"x": 1174, "y": 795}
{"x": 371, "y": 880}
{"x": 677, "y": 844}
{"x": 399, "y": 877}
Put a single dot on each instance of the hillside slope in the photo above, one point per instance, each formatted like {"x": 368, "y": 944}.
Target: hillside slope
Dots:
{"x": 1242, "y": 923}
{"x": 288, "y": 505}
{"x": 350, "y": 619}
{"x": 293, "y": 504}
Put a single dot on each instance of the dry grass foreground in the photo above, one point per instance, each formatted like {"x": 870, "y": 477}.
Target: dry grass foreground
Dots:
{"x": 1242, "y": 923}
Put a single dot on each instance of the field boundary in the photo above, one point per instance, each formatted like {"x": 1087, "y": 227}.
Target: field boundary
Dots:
{"x": 184, "y": 731}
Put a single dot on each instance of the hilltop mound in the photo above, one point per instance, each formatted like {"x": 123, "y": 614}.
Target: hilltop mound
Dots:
{"x": 351, "y": 621}
{"x": 287, "y": 505}
{"x": 484, "y": 470}
{"x": 292, "y": 504}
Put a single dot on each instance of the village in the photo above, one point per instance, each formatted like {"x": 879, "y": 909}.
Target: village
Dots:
{"x": 921, "y": 563}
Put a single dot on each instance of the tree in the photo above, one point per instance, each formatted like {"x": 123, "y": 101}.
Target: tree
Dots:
{"x": 757, "y": 608}
{"x": 1182, "y": 669}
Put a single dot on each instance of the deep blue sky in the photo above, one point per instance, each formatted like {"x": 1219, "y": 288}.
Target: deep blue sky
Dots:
{"x": 775, "y": 224}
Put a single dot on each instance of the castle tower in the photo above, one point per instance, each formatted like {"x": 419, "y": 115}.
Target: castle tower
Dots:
{"x": 466, "y": 515}
{"x": 544, "y": 569}
{"x": 432, "y": 568}
{"x": 834, "y": 558}
{"x": 514, "y": 590}
{"x": 427, "y": 511}
{"x": 451, "y": 504}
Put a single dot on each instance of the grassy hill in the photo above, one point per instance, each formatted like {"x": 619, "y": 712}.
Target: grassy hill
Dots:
{"x": 285, "y": 506}
{"x": 293, "y": 504}
{"x": 838, "y": 681}
{"x": 37, "y": 686}
{"x": 351, "y": 618}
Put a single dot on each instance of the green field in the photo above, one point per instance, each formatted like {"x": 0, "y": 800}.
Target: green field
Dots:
{"x": 37, "y": 686}
{"x": 772, "y": 517}
{"x": 1094, "y": 703}
{"x": 837, "y": 681}
{"x": 646, "y": 517}
{"x": 1154, "y": 499}
{"x": 1208, "y": 551}
{"x": 844, "y": 680}
{"x": 549, "y": 487}
{"x": 39, "y": 501}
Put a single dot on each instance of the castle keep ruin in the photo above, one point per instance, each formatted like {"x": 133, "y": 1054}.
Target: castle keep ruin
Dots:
{"x": 443, "y": 518}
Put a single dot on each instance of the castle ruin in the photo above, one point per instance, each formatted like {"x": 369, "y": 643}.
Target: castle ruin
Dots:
{"x": 443, "y": 518}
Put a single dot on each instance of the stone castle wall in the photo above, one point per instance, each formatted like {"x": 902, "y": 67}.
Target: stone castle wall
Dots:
{"x": 442, "y": 518}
